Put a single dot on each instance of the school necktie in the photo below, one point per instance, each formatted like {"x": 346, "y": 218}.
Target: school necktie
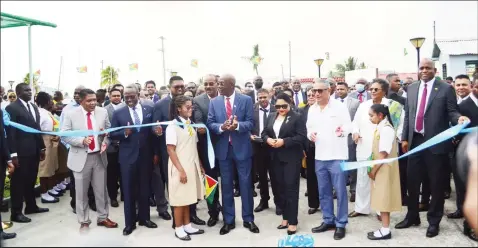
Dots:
{"x": 190, "y": 129}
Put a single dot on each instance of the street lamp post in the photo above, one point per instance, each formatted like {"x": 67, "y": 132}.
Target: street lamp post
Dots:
{"x": 11, "y": 84}
{"x": 417, "y": 43}
{"x": 319, "y": 62}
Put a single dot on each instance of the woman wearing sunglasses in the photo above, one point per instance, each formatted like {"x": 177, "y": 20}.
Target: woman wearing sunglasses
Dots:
{"x": 285, "y": 134}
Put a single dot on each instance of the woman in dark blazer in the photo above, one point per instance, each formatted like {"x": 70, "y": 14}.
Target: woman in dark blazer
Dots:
{"x": 285, "y": 133}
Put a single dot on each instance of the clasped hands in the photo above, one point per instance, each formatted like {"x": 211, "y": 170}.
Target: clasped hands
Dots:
{"x": 275, "y": 143}
{"x": 230, "y": 125}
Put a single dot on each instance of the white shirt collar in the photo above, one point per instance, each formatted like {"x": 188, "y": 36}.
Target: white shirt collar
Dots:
{"x": 24, "y": 103}
{"x": 267, "y": 108}
{"x": 232, "y": 97}
{"x": 85, "y": 112}
{"x": 138, "y": 106}
{"x": 429, "y": 83}
{"x": 182, "y": 119}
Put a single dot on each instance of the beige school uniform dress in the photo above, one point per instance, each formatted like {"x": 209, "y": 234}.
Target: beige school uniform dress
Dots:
{"x": 386, "y": 194}
{"x": 185, "y": 139}
{"x": 48, "y": 167}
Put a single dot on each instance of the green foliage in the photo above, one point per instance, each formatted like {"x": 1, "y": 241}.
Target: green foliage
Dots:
{"x": 109, "y": 76}
{"x": 349, "y": 65}
{"x": 6, "y": 190}
{"x": 26, "y": 80}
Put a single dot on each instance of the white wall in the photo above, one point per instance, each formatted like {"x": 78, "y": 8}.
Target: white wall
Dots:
{"x": 457, "y": 64}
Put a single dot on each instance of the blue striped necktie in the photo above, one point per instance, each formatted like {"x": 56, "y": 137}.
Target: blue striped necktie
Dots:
{"x": 136, "y": 118}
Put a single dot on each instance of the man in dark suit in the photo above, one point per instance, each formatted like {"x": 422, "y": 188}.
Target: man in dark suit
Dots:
{"x": 257, "y": 85}
{"x": 394, "y": 91}
{"x": 231, "y": 118}
{"x": 430, "y": 107}
{"x": 135, "y": 154}
{"x": 5, "y": 162}
{"x": 27, "y": 150}
{"x": 261, "y": 158}
{"x": 299, "y": 96}
{"x": 150, "y": 86}
{"x": 201, "y": 111}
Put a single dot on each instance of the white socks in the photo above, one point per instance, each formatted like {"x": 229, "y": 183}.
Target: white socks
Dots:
{"x": 190, "y": 229}
{"x": 381, "y": 232}
{"x": 47, "y": 197}
{"x": 53, "y": 192}
{"x": 60, "y": 186}
{"x": 180, "y": 232}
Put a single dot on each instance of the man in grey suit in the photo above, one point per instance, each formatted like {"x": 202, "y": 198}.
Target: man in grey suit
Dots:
{"x": 430, "y": 107}
{"x": 361, "y": 93}
{"x": 352, "y": 106}
{"x": 86, "y": 158}
{"x": 113, "y": 175}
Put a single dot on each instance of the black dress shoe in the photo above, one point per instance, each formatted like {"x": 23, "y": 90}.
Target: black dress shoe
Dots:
{"x": 280, "y": 227}
{"x": 278, "y": 211}
{"x": 212, "y": 221}
{"x": 455, "y": 215}
{"x": 152, "y": 202}
{"x": 185, "y": 238}
{"x": 195, "y": 220}
{"x": 55, "y": 200}
{"x": 254, "y": 193}
{"x": 20, "y": 218}
{"x": 313, "y": 210}
{"x": 148, "y": 224}
{"x": 36, "y": 211}
{"x": 323, "y": 227}
{"x": 128, "y": 230}
{"x": 289, "y": 232}
{"x": 165, "y": 215}
{"x": 6, "y": 236}
{"x": 407, "y": 223}
{"x": 199, "y": 231}
{"x": 306, "y": 193}
{"x": 114, "y": 203}
{"x": 352, "y": 197}
{"x": 432, "y": 231}
{"x": 339, "y": 233}
{"x": 251, "y": 226}
{"x": 226, "y": 228}
{"x": 59, "y": 194}
{"x": 237, "y": 193}
{"x": 372, "y": 237}
{"x": 262, "y": 205}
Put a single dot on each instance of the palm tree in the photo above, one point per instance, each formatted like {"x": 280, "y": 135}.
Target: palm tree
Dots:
{"x": 349, "y": 65}
{"x": 26, "y": 80}
{"x": 109, "y": 76}
{"x": 255, "y": 59}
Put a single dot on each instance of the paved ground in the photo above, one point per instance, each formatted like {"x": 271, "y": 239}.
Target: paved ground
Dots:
{"x": 60, "y": 228}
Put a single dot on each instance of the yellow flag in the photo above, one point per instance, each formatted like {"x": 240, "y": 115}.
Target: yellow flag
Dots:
{"x": 194, "y": 63}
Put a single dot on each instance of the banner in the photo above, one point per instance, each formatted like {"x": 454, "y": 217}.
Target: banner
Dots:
{"x": 82, "y": 69}
{"x": 133, "y": 67}
{"x": 194, "y": 63}
{"x": 37, "y": 73}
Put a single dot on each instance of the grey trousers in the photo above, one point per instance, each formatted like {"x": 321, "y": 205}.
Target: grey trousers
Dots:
{"x": 94, "y": 172}
{"x": 158, "y": 185}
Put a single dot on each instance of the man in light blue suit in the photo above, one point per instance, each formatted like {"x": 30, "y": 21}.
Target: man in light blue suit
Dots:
{"x": 230, "y": 117}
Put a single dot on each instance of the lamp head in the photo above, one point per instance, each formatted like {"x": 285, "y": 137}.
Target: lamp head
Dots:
{"x": 417, "y": 42}
{"x": 319, "y": 62}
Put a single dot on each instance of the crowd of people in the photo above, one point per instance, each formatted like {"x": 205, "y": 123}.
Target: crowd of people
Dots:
{"x": 259, "y": 135}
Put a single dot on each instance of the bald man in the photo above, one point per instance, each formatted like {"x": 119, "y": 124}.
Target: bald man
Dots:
{"x": 429, "y": 109}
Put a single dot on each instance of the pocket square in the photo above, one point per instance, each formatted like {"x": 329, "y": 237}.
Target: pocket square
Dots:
{"x": 149, "y": 115}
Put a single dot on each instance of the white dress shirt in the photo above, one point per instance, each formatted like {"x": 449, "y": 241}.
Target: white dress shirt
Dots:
{"x": 46, "y": 121}
{"x": 171, "y": 135}
{"x": 139, "y": 111}
{"x": 419, "y": 100}
{"x": 95, "y": 128}
{"x": 277, "y": 125}
{"x": 31, "y": 108}
{"x": 460, "y": 99}
{"x": 324, "y": 122}
{"x": 261, "y": 120}
{"x": 387, "y": 137}
{"x": 344, "y": 101}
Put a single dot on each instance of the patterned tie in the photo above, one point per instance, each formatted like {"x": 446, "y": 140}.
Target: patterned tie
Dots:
{"x": 90, "y": 127}
{"x": 229, "y": 114}
{"x": 136, "y": 118}
{"x": 190, "y": 129}
{"x": 296, "y": 99}
{"x": 360, "y": 97}
{"x": 421, "y": 111}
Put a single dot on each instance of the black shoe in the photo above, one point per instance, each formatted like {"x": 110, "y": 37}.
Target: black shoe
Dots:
{"x": 128, "y": 230}
{"x": 20, "y": 218}
{"x": 36, "y": 211}
{"x": 237, "y": 193}
{"x": 262, "y": 205}
{"x": 339, "y": 233}
{"x": 254, "y": 193}
{"x": 59, "y": 194}
{"x": 148, "y": 224}
{"x": 289, "y": 232}
{"x": 323, "y": 227}
{"x": 226, "y": 228}
{"x": 352, "y": 197}
{"x": 407, "y": 223}
{"x": 372, "y": 237}
{"x": 251, "y": 226}
{"x": 92, "y": 206}
{"x": 313, "y": 210}
{"x": 280, "y": 227}
{"x": 55, "y": 200}
{"x": 306, "y": 193}
{"x": 185, "y": 238}
{"x": 114, "y": 203}
{"x": 432, "y": 231}
{"x": 199, "y": 231}
{"x": 195, "y": 220}
{"x": 212, "y": 221}
{"x": 165, "y": 215}
{"x": 152, "y": 202}
{"x": 6, "y": 236}
{"x": 278, "y": 211}
{"x": 456, "y": 215}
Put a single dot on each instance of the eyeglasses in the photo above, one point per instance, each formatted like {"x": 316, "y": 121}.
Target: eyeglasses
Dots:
{"x": 375, "y": 89}
{"x": 318, "y": 91}
{"x": 282, "y": 106}
{"x": 179, "y": 87}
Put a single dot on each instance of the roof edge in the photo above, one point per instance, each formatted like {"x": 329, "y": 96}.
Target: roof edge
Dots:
{"x": 29, "y": 20}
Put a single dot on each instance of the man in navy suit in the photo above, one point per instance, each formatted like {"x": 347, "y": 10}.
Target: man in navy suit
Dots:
{"x": 231, "y": 118}
{"x": 135, "y": 158}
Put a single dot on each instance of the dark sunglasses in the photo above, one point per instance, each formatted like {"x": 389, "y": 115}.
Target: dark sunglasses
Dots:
{"x": 374, "y": 89}
{"x": 11, "y": 97}
{"x": 282, "y": 106}
{"x": 317, "y": 91}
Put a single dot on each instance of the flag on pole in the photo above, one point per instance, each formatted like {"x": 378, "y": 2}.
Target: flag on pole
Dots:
{"x": 327, "y": 56}
{"x": 194, "y": 63}
{"x": 405, "y": 52}
{"x": 133, "y": 67}
{"x": 82, "y": 69}
{"x": 211, "y": 187}
{"x": 37, "y": 73}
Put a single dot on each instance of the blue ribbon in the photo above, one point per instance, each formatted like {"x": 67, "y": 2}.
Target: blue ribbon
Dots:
{"x": 296, "y": 241}
{"x": 439, "y": 138}
{"x": 86, "y": 133}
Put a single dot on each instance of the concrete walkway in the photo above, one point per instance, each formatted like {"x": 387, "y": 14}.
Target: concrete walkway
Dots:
{"x": 59, "y": 227}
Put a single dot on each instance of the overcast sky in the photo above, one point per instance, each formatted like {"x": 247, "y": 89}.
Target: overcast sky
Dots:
{"x": 218, "y": 34}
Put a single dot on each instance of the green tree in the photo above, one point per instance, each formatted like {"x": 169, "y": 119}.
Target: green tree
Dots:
{"x": 109, "y": 76}
{"x": 26, "y": 80}
{"x": 349, "y": 65}
{"x": 255, "y": 59}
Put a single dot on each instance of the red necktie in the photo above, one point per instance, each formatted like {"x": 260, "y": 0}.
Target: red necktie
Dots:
{"x": 90, "y": 127}
{"x": 360, "y": 97}
{"x": 421, "y": 111}
{"x": 228, "y": 113}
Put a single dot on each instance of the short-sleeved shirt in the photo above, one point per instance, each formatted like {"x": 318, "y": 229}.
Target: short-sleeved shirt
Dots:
{"x": 171, "y": 136}
{"x": 387, "y": 137}
{"x": 46, "y": 120}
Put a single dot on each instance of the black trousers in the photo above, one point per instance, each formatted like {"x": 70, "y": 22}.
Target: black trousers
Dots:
{"x": 91, "y": 194}
{"x": 425, "y": 186}
{"x": 287, "y": 178}
{"x": 402, "y": 165}
{"x": 113, "y": 176}
{"x": 352, "y": 173}
{"x": 434, "y": 165}
{"x": 460, "y": 186}
{"x": 213, "y": 209}
{"x": 22, "y": 184}
{"x": 449, "y": 171}
{"x": 312, "y": 183}
{"x": 262, "y": 161}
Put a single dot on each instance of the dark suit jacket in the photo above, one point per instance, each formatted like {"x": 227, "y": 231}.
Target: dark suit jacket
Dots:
{"x": 304, "y": 112}
{"x": 241, "y": 142}
{"x": 252, "y": 96}
{"x": 441, "y": 109}
{"x": 23, "y": 143}
{"x": 4, "y": 152}
{"x": 304, "y": 97}
{"x": 136, "y": 144}
{"x": 161, "y": 113}
{"x": 292, "y": 131}
{"x": 469, "y": 109}
{"x": 396, "y": 97}
{"x": 255, "y": 130}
